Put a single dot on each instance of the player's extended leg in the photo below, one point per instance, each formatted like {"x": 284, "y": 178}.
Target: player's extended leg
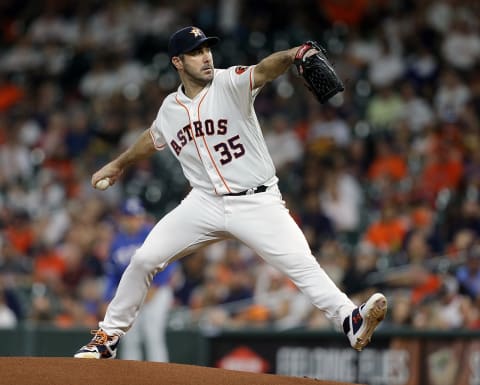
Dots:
{"x": 262, "y": 222}
{"x": 191, "y": 225}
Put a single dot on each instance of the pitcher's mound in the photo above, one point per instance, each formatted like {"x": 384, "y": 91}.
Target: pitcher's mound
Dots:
{"x": 74, "y": 371}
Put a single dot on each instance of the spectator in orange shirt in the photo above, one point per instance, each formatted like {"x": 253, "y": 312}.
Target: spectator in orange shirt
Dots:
{"x": 387, "y": 164}
{"x": 10, "y": 94}
{"x": 388, "y": 232}
{"x": 350, "y": 12}
{"x": 443, "y": 170}
{"x": 19, "y": 232}
{"x": 49, "y": 266}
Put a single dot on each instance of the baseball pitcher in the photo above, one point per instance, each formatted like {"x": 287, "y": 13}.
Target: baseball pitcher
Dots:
{"x": 209, "y": 124}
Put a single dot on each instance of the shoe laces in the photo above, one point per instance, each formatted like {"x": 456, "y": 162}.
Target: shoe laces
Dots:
{"x": 100, "y": 338}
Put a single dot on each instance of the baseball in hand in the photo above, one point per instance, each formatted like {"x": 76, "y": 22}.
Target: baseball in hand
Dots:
{"x": 103, "y": 184}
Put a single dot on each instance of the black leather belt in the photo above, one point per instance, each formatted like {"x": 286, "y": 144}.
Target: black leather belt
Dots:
{"x": 250, "y": 191}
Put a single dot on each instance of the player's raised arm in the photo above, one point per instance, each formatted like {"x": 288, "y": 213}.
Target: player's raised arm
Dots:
{"x": 141, "y": 149}
{"x": 273, "y": 66}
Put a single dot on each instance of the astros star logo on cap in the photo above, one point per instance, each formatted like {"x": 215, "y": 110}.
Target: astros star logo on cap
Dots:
{"x": 196, "y": 32}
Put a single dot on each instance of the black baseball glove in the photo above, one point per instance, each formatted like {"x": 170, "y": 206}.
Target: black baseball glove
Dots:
{"x": 318, "y": 74}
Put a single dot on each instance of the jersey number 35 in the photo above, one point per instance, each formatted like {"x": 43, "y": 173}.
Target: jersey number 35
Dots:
{"x": 230, "y": 149}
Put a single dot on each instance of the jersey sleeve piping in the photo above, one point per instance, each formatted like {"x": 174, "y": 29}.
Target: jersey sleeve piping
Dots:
{"x": 253, "y": 91}
{"x": 158, "y": 147}
{"x": 251, "y": 79}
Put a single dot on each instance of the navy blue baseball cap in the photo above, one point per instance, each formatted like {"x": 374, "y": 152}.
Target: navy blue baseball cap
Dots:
{"x": 132, "y": 207}
{"x": 187, "y": 39}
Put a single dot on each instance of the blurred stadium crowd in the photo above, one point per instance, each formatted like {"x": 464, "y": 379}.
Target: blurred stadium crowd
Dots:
{"x": 384, "y": 180}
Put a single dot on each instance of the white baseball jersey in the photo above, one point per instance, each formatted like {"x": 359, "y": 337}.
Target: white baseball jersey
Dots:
{"x": 216, "y": 135}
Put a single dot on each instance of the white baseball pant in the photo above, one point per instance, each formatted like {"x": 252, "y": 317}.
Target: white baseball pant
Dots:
{"x": 261, "y": 221}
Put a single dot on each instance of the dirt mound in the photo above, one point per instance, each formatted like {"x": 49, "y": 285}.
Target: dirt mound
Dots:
{"x": 74, "y": 371}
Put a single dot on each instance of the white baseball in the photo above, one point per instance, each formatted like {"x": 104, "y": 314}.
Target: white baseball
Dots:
{"x": 103, "y": 184}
